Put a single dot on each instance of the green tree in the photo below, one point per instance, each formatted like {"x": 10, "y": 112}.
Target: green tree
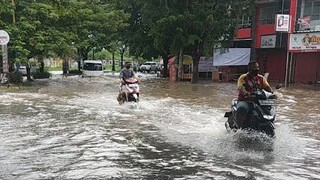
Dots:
{"x": 48, "y": 28}
{"x": 161, "y": 27}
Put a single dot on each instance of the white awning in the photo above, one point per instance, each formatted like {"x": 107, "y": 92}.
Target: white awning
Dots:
{"x": 232, "y": 57}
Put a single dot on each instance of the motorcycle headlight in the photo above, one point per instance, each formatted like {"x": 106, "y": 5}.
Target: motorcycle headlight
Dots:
{"x": 268, "y": 117}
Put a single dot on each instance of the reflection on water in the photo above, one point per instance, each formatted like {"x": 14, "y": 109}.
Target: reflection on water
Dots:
{"x": 74, "y": 129}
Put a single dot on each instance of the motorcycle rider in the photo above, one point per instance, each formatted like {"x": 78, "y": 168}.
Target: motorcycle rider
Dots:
{"x": 125, "y": 74}
{"x": 247, "y": 83}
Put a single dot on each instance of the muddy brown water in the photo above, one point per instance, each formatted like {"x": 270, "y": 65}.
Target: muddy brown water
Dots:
{"x": 73, "y": 128}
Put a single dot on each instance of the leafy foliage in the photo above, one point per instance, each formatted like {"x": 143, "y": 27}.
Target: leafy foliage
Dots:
{"x": 41, "y": 75}
{"x": 148, "y": 28}
{"x": 161, "y": 27}
{"x": 49, "y": 28}
{"x": 15, "y": 77}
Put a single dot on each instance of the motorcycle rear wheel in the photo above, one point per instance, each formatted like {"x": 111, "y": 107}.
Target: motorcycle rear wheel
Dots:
{"x": 231, "y": 122}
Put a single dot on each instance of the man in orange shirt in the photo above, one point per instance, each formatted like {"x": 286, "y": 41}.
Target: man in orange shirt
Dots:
{"x": 247, "y": 83}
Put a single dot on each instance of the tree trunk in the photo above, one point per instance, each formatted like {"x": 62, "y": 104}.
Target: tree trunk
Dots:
{"x": 80, "y": 59}
{"x": 197, "y": 52}
{"x": 180, "y": 64}
{"x": 113, "y": 63}
{"x": 195, "y": 71}
{"x": 28, "y": 72}
{"x": 83, "y": 53}
{"x": 165, "y": 66}
{"x": 65, "y": 67}
{"x": 79, "y": 65}
{"x": 41, "y": 68}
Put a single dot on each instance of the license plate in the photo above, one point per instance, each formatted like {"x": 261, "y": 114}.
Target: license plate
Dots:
{"x": 266, "y": 102}
{"x": 135, "y": 96}
{"x": 133, "y": 85}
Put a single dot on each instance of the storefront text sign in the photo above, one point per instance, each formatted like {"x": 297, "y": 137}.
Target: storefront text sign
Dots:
{"x": 304, "y": 42}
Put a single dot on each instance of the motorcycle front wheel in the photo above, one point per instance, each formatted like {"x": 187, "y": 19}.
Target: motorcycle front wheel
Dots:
{"x": 121, "y": 98}
{"x": 269, "y": 130}
{"x": 133, "y": 98}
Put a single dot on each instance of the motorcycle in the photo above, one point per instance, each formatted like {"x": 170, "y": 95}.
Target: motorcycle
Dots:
{"x": 129, "y": 91}
{"x": 262, "y": 115}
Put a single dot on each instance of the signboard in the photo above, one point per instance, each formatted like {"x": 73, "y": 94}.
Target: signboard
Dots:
{"x": 304, "y": 22}
{"x": 232, "y": 57}
{"x": 283, "y": 23}
{"x": 305, "y": 42}
{"x": 205, "y": 64}
{"x": 268, "y": 41}
{"x": 4, "y": 37}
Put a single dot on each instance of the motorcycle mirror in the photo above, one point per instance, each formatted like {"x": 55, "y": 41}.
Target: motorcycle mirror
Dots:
{"x": 279, "y": 86}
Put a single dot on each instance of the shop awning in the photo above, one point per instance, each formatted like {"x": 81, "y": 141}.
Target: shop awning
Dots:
{"x": 187, "y": 60}
{"x": 232, "y": 57}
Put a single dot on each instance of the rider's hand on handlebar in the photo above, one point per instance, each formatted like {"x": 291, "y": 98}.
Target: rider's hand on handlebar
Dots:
{"x": 246, "y": 94}
{"x": 273, "y": 96}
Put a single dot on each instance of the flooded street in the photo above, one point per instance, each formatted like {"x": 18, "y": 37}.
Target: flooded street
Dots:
{"x": 73, "y": 128}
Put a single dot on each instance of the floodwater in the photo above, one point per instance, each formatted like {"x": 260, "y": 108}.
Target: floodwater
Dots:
{"x": 73, "y": 128}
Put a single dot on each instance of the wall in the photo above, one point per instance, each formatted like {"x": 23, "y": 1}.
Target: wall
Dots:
{"x": 261, "y": 30}
{"x": 243, "y": 33}
{"x": 273, "y": 61}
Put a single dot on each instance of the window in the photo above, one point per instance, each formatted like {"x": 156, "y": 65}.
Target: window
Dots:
{"x": 312, "y": 8}
{"x": 268, "y": 13}
{"x": 309, "y": 15}
{"x": 245, "y": 22}
{"x": 93, "y": 67}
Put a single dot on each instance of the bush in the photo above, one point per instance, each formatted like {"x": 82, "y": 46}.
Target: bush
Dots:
{"x": 75, "y": 71}
{"x": 41, "y": 75}
{"x": 15, "y": 77}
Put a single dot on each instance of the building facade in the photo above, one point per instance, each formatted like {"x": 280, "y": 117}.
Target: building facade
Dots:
{"x": 290, "y": 54}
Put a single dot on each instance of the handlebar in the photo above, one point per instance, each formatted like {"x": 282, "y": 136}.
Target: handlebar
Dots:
{"x": 262, "y": 94}
{"x": 130, "y": 81}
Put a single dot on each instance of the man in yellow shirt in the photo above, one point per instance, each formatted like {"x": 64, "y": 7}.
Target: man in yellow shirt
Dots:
{"x": 247, "y": 83}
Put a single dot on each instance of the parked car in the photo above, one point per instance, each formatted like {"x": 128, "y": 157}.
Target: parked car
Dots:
{"x": 92, "y": 68}
{"x": 149, "y": 66}
{"x": 23, "y": 70}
